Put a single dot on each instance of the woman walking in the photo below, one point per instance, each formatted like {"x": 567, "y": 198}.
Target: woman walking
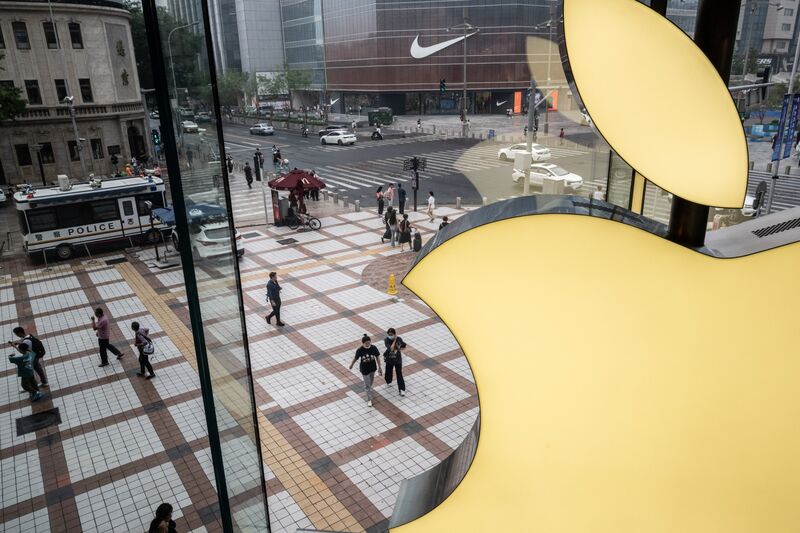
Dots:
{"x": 404, "y": 229}
{"x": 145, "y": 347}
{"x": 389, "y": 195}
{"x": 390, "y": 218}
{"x": 393, "y": 359}
{"x": 379, "y": 198}
{"x": 369, "y": 361}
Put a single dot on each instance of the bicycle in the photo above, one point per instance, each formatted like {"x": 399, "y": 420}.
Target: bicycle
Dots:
{"x": 295, "y": 221}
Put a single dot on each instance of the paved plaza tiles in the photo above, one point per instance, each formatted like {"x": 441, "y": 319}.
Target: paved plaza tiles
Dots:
{"x": 124, "y": 444}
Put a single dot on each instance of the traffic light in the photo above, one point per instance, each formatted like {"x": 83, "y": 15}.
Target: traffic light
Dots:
{"x": 156, "y": 136}
{"x": 442, "y": 86}
{"x": 764, "y": 74}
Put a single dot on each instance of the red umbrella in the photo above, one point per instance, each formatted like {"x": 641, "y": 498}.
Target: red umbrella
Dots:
{"x": 290, "y": 181}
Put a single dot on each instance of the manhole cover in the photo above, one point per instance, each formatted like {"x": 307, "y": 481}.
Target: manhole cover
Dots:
{"x": 116, "y": 261}
{"x": 29, "y": 424}
{"x": 287, "y": 241}
{"x": 251, "y": 235}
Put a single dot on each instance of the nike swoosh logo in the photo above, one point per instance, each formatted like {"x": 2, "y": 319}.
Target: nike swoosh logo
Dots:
{"x": 334, "y": 101}
{"x": 420, "y": 52}
{"x": 501, "y": 103}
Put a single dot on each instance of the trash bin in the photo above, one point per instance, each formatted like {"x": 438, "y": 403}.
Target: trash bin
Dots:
{"x": 283, "y": 206}
{"x": 417, "y": 241}
{"x": 492, "y": 135}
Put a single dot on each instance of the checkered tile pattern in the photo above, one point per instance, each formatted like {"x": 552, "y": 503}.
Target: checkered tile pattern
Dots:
{"x": 127, "y": 444}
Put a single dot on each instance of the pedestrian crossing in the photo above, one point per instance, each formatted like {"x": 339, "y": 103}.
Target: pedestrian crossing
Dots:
{"x": 381, "y": 172}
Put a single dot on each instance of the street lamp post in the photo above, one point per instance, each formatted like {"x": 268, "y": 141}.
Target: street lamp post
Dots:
{"x": 794, "y": 65}
{"x": 468, "y": 30}
{"x": 172, "y": 70}
{"x": 70, "y": 101}
{"x": 38, "y": 149}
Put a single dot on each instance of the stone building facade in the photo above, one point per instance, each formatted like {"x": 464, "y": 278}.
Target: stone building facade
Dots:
{"x": 87, "y": 53}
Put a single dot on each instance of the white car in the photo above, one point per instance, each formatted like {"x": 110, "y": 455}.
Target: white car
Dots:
{"x": 538, "y": 152}
{"x": 262, "y": 129}
{"x": 189, "y": 127}
{"x": 211, "y": 239}
{"x": 338, "y": 137}
{"x": 540, "y": 171}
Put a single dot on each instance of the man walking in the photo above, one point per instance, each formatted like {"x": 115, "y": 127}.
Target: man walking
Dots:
{"x": 401, "y": 197}
{"x": 248, "y": 175}
{"x": 274, "y": 296}
{"x": 431, "y": 205}
{"x": 24, "y": 364}
{"x": 561, "y": 137}
{"x": 189, "y": 158}
{"x": 35, "y": 345}
{"x": 100, "y": 325}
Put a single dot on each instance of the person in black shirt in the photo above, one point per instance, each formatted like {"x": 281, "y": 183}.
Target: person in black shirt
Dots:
{"x": 248, "y": 175}
{"x": 401, "y": 197}
{"x": 163, "y": 522}
{"x": 393, "y": 359}
{"x": 369, "y": 357}
{"x": 274, "y": 297}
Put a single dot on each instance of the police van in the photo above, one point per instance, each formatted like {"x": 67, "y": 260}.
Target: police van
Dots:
{"x": 65, "y": 218}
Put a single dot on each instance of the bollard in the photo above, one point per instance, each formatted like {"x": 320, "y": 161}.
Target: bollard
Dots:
{"x": 344, "y": 201}
{"x": 752, "y": 164}
{"x": 336, "y": 198}
{"x": 325, "y": 195}
{"x": 357, "y": 203}
{"x": 787, "y": 169}
{"x": 458, "y": 202}
{"x": 434, "y": 129}
{"x": 485, "y": 200}
{"x": 769, "y": 167}
{"x": 392, "y": 286}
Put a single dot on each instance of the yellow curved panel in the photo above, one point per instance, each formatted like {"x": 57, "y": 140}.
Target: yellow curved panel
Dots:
{"x": 657, "y": 100}
{"x": 612, "y": 400}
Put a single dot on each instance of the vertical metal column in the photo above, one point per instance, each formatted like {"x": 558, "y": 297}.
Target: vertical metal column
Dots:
{"x": 715, "y": 35}
{"x": 182, "y": 227}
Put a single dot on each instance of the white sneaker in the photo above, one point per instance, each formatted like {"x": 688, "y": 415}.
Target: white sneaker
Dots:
{"x": 402, "y": 393}
{"x": 369, "y": 403}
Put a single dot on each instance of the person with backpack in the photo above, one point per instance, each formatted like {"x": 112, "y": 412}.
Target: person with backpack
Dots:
{"x": 393, "y": 359}
{"x": 379, "y": 198}
{"x": 38, "y": 348}
{"x": 404, "y": 229}
{"x": 145, "y": 346}
{"x": 369, "y": 361}
{"x": 24, "y": 364}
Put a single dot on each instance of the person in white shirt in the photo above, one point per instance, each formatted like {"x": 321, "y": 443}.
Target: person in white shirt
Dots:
{"x": 598, "y": 194}
{"x": 431, "y": 205}
{"x": 388, "y": 196}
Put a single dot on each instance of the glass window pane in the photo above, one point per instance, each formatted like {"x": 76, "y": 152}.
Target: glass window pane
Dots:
{"x": 42, "y": 220}
{"x": 23, "y": 154}
{"x": 86, "y": 90}
{"x": 75, "y": 35}
{"x": 105, "y": 210}
{"x": 32, "y": 90}
{"x": 50, "y": 35}
{"x": 21, "y": 35}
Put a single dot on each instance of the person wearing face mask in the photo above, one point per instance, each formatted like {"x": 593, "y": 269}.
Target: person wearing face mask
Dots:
{"x": 369, "y": 361}
{"x": 393, "y": 359}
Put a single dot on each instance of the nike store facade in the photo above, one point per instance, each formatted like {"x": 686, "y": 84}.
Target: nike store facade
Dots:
{"x": 395, "y": 53}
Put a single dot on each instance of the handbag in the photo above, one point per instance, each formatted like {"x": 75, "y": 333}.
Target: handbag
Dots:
{"x": 148, "y": 349}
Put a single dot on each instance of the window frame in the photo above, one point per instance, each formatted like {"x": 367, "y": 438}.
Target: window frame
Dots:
{"x": 94, "y": 144}
{"x": 112, "y": 205}
{"x": 47, "y": 154}
{"x": 54, "y": 45}
{"x": 72, "y": 151}
{"x": 17, "y": 148}
{"x": 82, "y": 88}
{"x": 16, "y": 26}
{"x": 2, "y": 39}
{"x": 75, "y": 30}
{"x": 66, "y": 91}
{"x": 38, "y": 92}
{"x": 44, "y": 211}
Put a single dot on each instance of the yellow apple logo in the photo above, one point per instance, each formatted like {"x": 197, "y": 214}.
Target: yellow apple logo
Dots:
{"x": 627, "y": 384}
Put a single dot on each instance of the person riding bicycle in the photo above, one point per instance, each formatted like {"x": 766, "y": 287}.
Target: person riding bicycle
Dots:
{"x": 377, "y": 133}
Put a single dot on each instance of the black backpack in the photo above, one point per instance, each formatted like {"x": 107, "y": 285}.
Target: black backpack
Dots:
{"x": 37, "y": 346}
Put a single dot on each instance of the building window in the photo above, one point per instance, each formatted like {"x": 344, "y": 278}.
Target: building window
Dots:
{"x": 75, "y": 35}
{"x": 786, "y": 27}
{"x": 21, "y": 35}
{"x": 97, "y": 149}
{"x": 50, "y": 35}
{"x": 61, "y": 89}
{"x": 2, "y": 40}
{"x": 86, "y": 90}
{"x": 46, "y": 153}
{"x": 72, "y": 148}
{"x": 23, "y": 154}
{"x": 7, "y": 84}
{"x": 787, "y": 12}
{"x": 34, "y": 96}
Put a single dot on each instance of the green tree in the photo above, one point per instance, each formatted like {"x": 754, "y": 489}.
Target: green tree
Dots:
{"x": 185, "y": 47}
{"x": 738, "y": 62}
{"x": 287, "y": 80}
{"x": 11, "y": 102}
{"x": 232, "y": 86}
